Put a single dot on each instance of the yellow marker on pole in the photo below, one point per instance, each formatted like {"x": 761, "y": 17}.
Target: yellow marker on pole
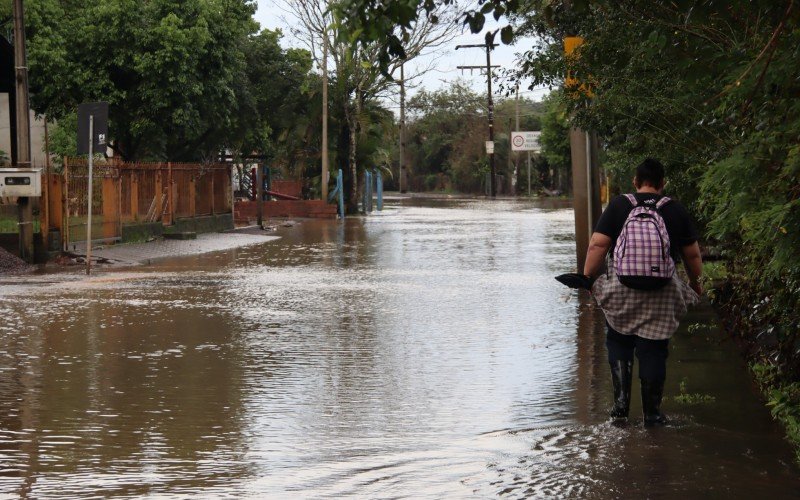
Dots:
{"x": 571, "y": 84}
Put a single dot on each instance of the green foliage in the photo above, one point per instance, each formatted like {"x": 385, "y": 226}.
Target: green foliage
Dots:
{"x": 447, "y": 132}
{"x": 64, "y": 139}
{"x": 555, "y": 139}
{"x": 368, "y": 22}
{"x": 184, "y": 79}
{"x": 782, "y": 398}
{"x": 687, "y": 398}
{"x": 696, "y": 328}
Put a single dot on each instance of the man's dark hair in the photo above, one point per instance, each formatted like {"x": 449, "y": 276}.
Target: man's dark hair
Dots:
{"x": 650, "y": 171}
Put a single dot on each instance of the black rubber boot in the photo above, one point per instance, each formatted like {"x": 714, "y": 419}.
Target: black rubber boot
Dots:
{"x": 652, "y": 391}
{"x": 621, "y": 376}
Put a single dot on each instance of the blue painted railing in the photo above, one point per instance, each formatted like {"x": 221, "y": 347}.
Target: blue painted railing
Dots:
{"x": 379, "y": 189}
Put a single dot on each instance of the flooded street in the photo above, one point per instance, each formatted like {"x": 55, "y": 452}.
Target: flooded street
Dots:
{"x": 425, "y": 351}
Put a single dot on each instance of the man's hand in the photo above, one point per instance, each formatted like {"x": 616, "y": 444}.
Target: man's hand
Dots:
{"x": 697, "y": 287}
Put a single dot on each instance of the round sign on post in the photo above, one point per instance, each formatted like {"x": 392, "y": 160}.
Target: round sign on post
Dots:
{"x": 525, "y": 141}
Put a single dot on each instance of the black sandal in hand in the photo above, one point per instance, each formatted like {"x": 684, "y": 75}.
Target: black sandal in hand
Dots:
{"x": 575, "y": 280}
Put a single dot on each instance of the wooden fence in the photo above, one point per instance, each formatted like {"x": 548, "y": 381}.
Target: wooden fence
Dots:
{"x": 127, "y": 193}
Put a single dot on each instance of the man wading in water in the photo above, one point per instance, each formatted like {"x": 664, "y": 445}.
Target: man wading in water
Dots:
{"x": 641, "y": 295}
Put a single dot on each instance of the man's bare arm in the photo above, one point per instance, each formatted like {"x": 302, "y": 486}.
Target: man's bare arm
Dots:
{"x": 693, "y": 262}
{"x": 596, "y": 254}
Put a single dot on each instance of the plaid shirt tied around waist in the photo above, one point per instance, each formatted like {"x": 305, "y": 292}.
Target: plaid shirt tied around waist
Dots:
{"x": 651, "y": 314}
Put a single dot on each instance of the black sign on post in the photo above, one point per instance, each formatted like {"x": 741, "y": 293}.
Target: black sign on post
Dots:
{"x": 100, "y": 112}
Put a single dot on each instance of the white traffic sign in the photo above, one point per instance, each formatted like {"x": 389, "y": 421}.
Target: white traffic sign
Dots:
{"x": 525, "y": 141}
{"x": 489, "y": 147}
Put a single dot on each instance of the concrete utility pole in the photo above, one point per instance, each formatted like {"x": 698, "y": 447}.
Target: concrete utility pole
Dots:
{"x": 325, "y": 166}
{"x": 585, "y": 188}
{"x": 585, "y": 168}
{"x": 488, "y": 47}
{"x": 516, "y": 154}
{"x": 509, "y": 170}
{"x": 401, "y": 160}
{"x": 23, "y": 130}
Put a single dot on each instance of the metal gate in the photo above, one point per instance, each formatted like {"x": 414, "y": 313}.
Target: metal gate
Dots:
{"x": 105, "y": 199}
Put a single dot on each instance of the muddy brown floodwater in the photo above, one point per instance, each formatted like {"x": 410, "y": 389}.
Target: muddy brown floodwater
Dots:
{"x": 423, "y": 352}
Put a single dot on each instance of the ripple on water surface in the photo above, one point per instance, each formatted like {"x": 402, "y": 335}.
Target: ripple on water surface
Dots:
{"x": 422, "y": 352}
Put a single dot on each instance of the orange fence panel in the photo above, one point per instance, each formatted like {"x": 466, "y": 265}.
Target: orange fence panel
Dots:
{"x": 135, "y": 192}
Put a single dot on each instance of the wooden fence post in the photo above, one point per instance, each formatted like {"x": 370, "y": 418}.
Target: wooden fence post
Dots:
{"x": 212, "y": 172}
{"x": 65, "y": 205}
{"x": 193, "y": 196}
{"x": 110, "y": 204}
{"x": 157, "y": 201}
{"x": 170, "y": 200}
{"x": 119, "y": 201}
{"x": 134, "y": 195}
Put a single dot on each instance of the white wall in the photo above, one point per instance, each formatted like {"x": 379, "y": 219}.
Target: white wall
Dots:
{"x": 37, "y": 134}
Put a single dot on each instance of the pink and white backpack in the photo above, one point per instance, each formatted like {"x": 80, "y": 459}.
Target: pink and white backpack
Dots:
{"x": 641, "y": 256}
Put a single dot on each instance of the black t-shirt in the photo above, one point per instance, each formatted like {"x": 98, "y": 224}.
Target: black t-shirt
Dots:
{"x": 679, "y": 225}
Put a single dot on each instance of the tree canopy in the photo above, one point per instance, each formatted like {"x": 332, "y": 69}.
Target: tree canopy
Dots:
{"x": 183, "y": 78}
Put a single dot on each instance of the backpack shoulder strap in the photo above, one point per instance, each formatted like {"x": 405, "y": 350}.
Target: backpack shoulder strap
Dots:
{"x": 632, "y": 199}
{"x": 663, "y": 201}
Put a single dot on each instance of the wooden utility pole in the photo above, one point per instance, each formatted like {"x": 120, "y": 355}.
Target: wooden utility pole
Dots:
{"x": 401, "y": 160}
{"x": 23, "y": 130}
{"x": 324, "y": 176}
{"x": 488, "y": 47}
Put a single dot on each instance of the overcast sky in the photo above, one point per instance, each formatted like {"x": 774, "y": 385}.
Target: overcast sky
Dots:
{"x": 271, "y": 15}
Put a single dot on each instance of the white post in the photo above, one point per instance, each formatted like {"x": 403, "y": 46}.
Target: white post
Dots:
{"x": 89, "y": 198}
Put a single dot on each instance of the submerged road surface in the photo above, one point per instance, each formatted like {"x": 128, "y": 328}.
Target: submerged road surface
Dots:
{"x": 424, "y": 352}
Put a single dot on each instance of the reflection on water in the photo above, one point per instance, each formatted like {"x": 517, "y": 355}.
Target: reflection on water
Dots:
{"x": 422, "y": 352}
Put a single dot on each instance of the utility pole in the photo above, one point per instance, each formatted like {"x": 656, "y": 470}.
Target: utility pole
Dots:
{"x": 512, "y": 172}
{"x": 488, "y": 47}
{"x": 585, "y": 169}
{"x": 401, "y": 160}
{"x": 325, "y": 166}
{"x": 516, "y": 155}
{"x": 23, "y": 130}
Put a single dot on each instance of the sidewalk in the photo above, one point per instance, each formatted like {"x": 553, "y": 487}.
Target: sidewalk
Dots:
{"x": 144, "y": 253}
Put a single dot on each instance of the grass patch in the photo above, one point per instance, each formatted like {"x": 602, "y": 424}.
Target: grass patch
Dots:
{"x": 11, "y": 225}
{"x": 687, "y": 398}
{"x": 698, "y": 328}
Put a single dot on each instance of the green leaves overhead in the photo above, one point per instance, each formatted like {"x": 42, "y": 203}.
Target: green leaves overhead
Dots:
{"x": 175, "y": 72}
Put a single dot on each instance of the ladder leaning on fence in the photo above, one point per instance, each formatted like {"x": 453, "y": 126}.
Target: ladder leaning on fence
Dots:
{"x": 158, "y": 206}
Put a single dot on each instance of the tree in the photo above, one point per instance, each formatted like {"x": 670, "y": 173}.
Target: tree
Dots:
{"x": 448, "y": 132}
{"x": 555, "y": 141}
{"x": 359, "y": 78}
{"x": 168, "y": 69}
